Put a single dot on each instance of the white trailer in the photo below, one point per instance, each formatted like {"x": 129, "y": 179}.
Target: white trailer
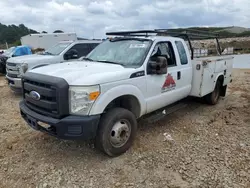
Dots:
{"x": 45, "y": 40}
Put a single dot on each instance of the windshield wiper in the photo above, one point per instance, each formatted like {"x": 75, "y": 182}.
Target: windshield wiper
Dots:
{"x": 111, "y": 62}
{"x": 48, "y": 53}
{"x": 88, "y": 59}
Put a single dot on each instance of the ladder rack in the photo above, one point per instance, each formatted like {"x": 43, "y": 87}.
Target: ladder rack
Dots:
{"x": 189, "y": 34}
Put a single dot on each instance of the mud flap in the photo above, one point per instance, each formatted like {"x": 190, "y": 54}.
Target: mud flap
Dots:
{"x": 223, "y": 91}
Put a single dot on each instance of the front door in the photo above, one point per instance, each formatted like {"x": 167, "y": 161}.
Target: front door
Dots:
{"x": 163, "y": 89}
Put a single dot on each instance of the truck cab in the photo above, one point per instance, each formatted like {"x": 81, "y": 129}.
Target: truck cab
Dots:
{"x": 122, "y": 80}
{"x": 61, "y": 52}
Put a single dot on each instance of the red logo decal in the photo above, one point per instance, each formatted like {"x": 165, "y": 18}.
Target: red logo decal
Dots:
{"x": 169, "y": 83}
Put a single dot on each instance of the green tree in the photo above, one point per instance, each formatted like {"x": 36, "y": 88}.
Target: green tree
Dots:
{"x": 12, "y": 33}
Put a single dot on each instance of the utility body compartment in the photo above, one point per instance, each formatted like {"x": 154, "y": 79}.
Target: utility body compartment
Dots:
{"x": 206, "y": 72}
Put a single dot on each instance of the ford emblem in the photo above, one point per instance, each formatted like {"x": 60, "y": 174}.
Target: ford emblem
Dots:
{"x": 35, "y": 95}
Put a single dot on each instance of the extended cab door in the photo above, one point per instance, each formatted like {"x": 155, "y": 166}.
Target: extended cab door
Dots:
{"x": 165, "y": 89}
{"x": 184, "y": 61}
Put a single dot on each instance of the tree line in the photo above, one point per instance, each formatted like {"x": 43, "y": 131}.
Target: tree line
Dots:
{"x": 12, "y": 33}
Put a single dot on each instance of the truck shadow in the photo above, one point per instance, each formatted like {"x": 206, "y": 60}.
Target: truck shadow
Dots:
{"x": 85, "y": 150}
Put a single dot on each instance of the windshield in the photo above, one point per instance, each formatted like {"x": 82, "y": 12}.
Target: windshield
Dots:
{"x": 9, "y": 51}
{"x": 57, "y": 49}
{"x": 126, "y": 52}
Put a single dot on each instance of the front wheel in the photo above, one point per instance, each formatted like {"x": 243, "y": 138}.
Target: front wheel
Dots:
{"x": 116, "y": 131}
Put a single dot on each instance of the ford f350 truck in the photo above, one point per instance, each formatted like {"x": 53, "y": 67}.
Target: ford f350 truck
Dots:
{"x": 61, "y": 52}
{"x": 121, "y": 81}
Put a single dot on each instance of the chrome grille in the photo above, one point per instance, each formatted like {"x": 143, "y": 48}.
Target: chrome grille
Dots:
{"x": 12, "y": 70}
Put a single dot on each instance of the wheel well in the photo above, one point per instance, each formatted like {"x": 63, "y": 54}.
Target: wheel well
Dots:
{"x": 221, "y": 79}
{"x": 128, "y": 102}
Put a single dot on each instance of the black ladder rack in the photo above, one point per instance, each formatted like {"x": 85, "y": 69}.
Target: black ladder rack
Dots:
{"x": 189, "y": 34}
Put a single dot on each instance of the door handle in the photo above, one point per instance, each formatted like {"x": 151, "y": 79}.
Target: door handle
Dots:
{"x": 178, "y": 75}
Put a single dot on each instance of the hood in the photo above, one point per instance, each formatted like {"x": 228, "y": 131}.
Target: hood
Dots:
{"x": 86, "y": 73}
{"x": 34, "y": 58}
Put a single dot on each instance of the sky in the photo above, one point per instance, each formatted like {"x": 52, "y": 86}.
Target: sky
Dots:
{"x": 93, "y": 18}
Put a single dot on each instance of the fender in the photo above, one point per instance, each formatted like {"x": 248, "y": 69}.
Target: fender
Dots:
{"x": 104, "y": 99}
{"x": 217, "y": 79}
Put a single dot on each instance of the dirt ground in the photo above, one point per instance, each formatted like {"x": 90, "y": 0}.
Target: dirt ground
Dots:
{"x": 210, "y": 148}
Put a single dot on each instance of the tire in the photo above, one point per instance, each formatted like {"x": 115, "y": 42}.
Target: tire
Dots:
{"x": 116, "y": 132}
{"x": 214, "y": 97}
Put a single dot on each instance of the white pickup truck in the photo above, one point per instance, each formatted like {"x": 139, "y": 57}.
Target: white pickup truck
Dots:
{"x": 61, "y": 52}
{"x": 121, "y": 81}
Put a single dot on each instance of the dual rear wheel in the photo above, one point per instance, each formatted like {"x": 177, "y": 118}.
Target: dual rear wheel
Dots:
{"x": 214, "y": 97}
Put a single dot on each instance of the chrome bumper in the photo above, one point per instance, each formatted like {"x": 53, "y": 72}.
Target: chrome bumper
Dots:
{"x": 15, "y": 83}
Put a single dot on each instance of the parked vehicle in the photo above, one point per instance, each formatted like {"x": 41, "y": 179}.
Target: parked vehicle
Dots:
{"x": 13, "y": 52}
{"x": 121, "y": 81}
{"x": 46, "y": 40}
{"x": 61, "y": 52}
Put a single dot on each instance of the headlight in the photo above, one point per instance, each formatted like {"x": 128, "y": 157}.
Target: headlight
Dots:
{"x": 81, "y": 99}
{"x": 24, "y": 67}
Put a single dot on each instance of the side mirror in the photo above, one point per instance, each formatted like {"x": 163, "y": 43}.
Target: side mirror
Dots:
{"x": 71, "y": 54}
{"x": 158, "y": 65}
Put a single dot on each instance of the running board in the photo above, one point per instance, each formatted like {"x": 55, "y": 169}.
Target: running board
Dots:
{"x": 160, "y": 114}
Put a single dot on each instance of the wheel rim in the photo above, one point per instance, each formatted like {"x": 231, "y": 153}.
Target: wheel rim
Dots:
{"x": 120, "y": 133}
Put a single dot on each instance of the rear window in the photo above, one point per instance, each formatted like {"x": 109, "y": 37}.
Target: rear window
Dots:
{"x": 181, "y": 52}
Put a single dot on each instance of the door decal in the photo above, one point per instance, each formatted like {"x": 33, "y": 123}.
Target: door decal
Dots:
{"x": 169, "y": 84}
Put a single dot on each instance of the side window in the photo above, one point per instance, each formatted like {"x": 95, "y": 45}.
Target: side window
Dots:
{"x": 181, "y": 52}
{"x": 165, "y": 49}
{"x": 93, "y": 45}
{"x": 82, "y": 49}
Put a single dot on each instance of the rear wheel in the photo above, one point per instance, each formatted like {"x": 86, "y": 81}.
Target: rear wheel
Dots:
{"x": 116, "y": 132}
{"x": 214, "y": 97}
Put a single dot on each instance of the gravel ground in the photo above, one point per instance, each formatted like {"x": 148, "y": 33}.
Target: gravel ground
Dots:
{"x": 210, "y": 147}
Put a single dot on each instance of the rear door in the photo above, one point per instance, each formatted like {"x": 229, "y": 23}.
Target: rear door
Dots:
{"x": 185, "y": 72}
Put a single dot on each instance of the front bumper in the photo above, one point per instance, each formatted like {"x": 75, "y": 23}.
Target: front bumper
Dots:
{"x": 70, "y": 127}
{"x": 15, "y": 83}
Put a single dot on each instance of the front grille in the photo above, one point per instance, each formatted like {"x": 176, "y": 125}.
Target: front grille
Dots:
{"x": 11, "y": 64}
{"x": 12, "y": 75}
{"x": 53, "y": 93}
{"x": 12, "y": 70}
